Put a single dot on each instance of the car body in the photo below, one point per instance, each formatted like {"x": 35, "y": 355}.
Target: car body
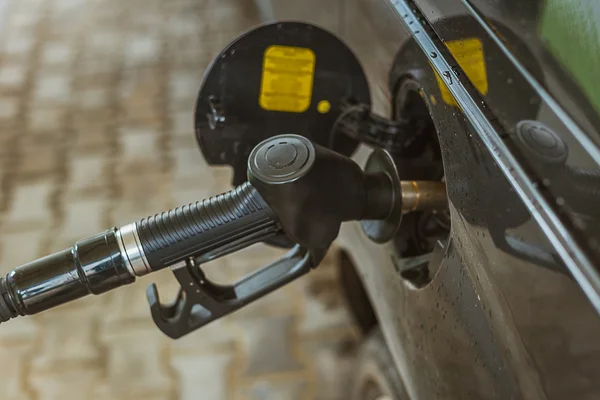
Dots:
{"x": 510, "y": 305}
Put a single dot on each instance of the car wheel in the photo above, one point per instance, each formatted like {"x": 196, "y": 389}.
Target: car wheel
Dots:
{"x": 376, "y": 377}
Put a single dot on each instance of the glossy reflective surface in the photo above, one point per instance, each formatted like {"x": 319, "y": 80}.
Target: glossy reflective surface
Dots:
{"x": 47, "y": 282}
{"x": 503, "y": 317}
{"x": 93, "y": 266}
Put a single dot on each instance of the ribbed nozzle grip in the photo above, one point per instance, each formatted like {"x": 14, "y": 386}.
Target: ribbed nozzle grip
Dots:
{"x": 206, "y": 225}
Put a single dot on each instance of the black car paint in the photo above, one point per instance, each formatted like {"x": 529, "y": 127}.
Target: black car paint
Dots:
{"x": 496, "y": 321}
{"x": 502, "y": 317}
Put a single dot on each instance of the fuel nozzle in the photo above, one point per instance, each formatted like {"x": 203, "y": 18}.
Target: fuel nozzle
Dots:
{"x": 295, "y": 188}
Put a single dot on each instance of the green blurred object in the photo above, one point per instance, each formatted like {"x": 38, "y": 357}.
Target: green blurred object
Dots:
{"x": 571, "y": 29}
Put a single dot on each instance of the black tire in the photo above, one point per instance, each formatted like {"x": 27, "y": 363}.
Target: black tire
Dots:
{"x": 376, "y": 377}
{"x": 354, "y": 292}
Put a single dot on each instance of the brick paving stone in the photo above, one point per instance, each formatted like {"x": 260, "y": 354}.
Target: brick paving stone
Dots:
{"x": 96, "y": 130}
{"x": 69, "y": 5}
{"x": 182, "y": 122}
{"x": 186, "y": 142}
{"x": 104, "y": 42}
{"x": 53, "y": 88}
{"x": 129, "y": 305}
{"x": 77, "y": 383}
{"x": 282, "y": 302}
{"x": 19, "y": 331}
{"x": 276, "y": 335}
{"x": 218, "y": 337}
{"x": 191, "y": 168}
{"x": 149, "y": 20}
{"x": 256, "y": 254}
{"x": 18, "y": 45}
{"x": 191, "y": 193}
{"x": 137, "y": 364}
{"x": 25, "y": 4}
{"x": 19, "y": 247}
{"x": 82, "y": 218}
{"x": 141, "y": 49}
{"x": 222, "y": 176}
{"x": 183, "y": 86}
{"x": 237, "y": 16}
{"x": 8, "y": 108}
{"x": 12, "y": 75}
{"x": 46, "y": 121}
{"x": 142, "y": 195}
{"x": 265, "y": 389}
{"x": 30, "y": 204}
{"x": 62, "y": 346}
{"x": 185, "y": 26}
{"x": 92, "y": 133}
{"x": 58, "y": 53}
{"x": 13, "y": 369}
{"x": 87, "y": 143}
{"x": 248, "y": 260}
{"x": 100, "y": 68}
{"x": 87, "y": 172}
{"x": 23, "y": 19}
{"x": 139, "y": 90}
{"x": 93, "y": 98}
{"x": 37, "y": 163}
{"x": 217, "y": 272}
{"x": 184, "y": 53}
{"x": 72, "y": 31}
{"x": 301, "y": 11}
{"x": 204, "y": 376}
{"x": 139, "y": 148}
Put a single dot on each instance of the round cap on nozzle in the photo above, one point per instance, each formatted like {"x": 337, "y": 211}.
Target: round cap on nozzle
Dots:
{"x": 281, "y": 159}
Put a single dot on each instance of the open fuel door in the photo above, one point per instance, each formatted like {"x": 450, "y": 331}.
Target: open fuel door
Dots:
{"x": 280, "y": 78}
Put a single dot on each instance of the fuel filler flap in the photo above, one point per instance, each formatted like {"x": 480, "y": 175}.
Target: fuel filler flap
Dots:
{"x": 279, "y": 78}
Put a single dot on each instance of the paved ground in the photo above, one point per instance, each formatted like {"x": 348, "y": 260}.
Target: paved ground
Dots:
{"x": 96, "y": 103}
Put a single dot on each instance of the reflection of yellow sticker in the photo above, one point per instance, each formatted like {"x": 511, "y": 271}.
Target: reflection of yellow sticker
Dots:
{"x": 469, "y": 55}
{"x": 287, "y": 79}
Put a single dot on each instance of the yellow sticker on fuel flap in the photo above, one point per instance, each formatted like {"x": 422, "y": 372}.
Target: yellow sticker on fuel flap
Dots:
{"x": 287, "y": 79}
{"x": 469, "y": 55}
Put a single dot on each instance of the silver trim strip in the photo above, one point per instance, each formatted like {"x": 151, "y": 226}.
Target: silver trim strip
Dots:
{"x": 124, "y": 253}
{"x": 578, "y": 263}
{"x": 132, "y": 250}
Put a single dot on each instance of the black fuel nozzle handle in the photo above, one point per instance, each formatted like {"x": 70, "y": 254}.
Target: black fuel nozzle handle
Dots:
{"x": 294, "y": 188}
{"x": 311, "y": 190}
{"x": 201, "y": 301}
{"x": 221, "y": 223}
{"x": 116, "y": 257}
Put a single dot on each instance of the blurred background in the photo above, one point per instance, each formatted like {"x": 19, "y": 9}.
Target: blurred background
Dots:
{"x": 96, "y": 130}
